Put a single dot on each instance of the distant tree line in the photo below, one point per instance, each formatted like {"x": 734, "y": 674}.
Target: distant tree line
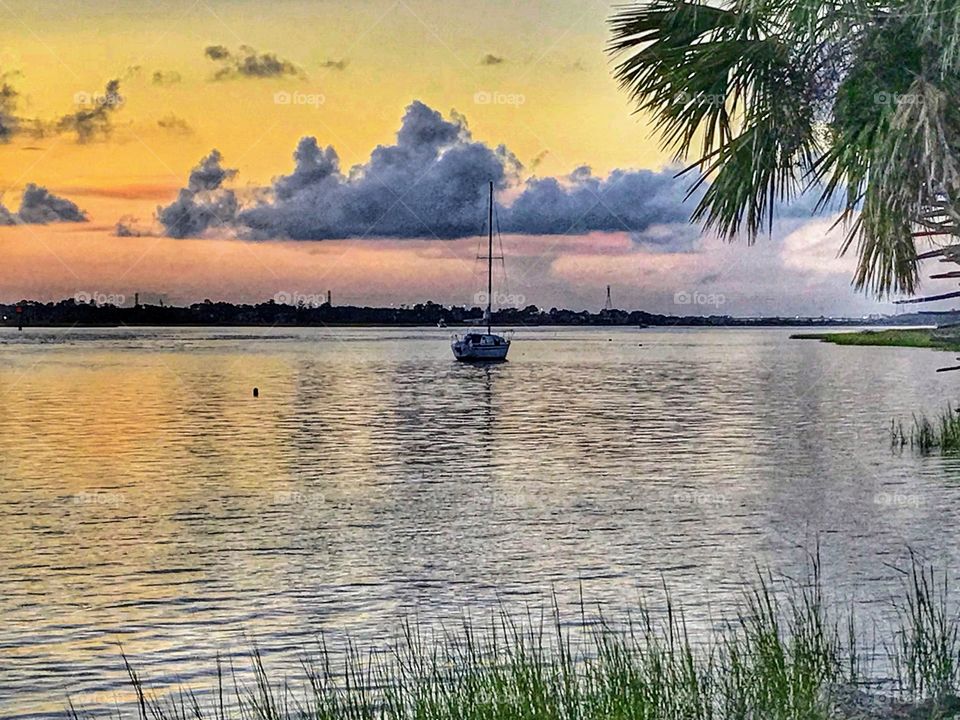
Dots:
{"x": 73, "y": 313}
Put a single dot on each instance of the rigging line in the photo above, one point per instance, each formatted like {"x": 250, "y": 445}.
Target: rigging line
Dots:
{"x": 476, "y": 254}
{"x": 503, "y": 262}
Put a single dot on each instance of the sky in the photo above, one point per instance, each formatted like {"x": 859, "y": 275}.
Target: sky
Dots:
{"x": 251, "y": 150}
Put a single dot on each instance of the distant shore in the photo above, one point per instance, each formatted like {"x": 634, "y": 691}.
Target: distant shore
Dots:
{"x": 70, "y": 313}
{"x": 913, "y": 337}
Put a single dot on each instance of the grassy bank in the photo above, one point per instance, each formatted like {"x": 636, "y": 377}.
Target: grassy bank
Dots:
{"x": 788, "y": 654}
{"x": 918, "y": 338}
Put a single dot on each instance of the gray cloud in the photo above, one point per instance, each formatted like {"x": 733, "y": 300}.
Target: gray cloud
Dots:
{"x": 39, "y": 206}
{"x": 432, "y": 182}
{"x": 248, "y": 63}
{"x": 9, "y": 122}
{"x": 204, "y": 203}
{"x": 335, "y": 64}
{"x": 539, "y": 158}
{"x": 491, "y": 59}
{"x": 625, "y": 201}
{"x": 6, "y": 217}
{"x": 174, "y": 125}
{"x": 127, "y": 227}
{"x": 94, "y": 118}
{"x": 210, "y": 173}
{"x": 217, "y": 52}
{"x": 166, "y": 77}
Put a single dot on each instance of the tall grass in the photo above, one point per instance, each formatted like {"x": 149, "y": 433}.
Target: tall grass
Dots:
{"x": 787, "y": 655}
{"x": 941, "y": 434}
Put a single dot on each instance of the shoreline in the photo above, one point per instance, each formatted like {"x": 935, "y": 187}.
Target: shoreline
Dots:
{"x": 923, "y": 338}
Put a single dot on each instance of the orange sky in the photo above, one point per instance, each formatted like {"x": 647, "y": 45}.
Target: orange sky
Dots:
{"x": 360, "y": 64}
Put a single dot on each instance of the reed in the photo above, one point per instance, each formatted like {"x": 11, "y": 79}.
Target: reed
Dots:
{"x": 941, "y": 434}
{"x": 789, "y": 654}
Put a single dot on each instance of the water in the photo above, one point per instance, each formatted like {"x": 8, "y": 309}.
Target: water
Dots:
{"x": 149, "y": 500}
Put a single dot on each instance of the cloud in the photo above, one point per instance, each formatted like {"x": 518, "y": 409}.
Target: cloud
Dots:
{"x": 217, "y": 52}
{"x": 335, "y": 64}
{"x": 539, "y": 158}
{"x": 126, "y": 227}
{"x": 625, "y": 201}
{"x": 94, "y": 118}
{"x": 204, "y": 203}
{"x": 489, "y": 59}
{"x": 174, "y": 125}
{"x": 38, "y": 206}
{"x": 9, "y": 122}
{"x": 131, "y": 191}
{"x": 7, "y": 218}
{"x": 432, "y": 183}
{"x": 166, "y": 77}
{"x": 210, "y": 173}
{"x": 248, "y": 63}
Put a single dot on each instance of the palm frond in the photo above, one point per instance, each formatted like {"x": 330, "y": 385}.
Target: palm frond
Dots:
{"x": 858, "y": 100}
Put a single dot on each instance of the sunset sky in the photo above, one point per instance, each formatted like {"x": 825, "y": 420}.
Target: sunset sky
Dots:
{"x": 251, "y": 78}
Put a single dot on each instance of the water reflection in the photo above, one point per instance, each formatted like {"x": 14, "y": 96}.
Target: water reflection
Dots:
{"x": 150, "y": 499}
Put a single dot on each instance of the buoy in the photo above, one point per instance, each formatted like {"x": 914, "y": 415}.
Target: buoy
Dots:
{"x": 256, "y": 392}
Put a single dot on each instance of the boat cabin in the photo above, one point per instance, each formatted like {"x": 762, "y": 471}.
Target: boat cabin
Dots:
{"x": 477, "y": 339}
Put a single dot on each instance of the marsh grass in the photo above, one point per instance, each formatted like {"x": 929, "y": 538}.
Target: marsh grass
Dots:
{"x": 941, "y": 434}
{"x": 899, "y": 337}
{"x": 782, "y": 657}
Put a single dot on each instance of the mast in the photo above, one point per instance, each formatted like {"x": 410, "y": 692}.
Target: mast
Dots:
{"x": 490, "y": 263}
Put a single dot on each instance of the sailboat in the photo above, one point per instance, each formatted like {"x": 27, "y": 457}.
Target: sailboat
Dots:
{"x": 474, "y": 347}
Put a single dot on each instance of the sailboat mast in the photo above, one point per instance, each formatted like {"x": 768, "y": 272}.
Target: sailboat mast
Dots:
{"x": 490, "y": 265}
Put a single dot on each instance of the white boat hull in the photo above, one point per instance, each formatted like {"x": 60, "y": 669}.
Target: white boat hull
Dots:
{"x": 478, "y": 348}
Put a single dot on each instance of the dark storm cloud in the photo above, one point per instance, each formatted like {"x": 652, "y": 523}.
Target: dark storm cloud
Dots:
{"x": 491, "y": 59}
{"x": 248, "y": 63}
{"x": 431, "y": 182}
{"x": 204, "y": 203}
{"x": 335, "y": 64}
{"x": 39, "y": 206}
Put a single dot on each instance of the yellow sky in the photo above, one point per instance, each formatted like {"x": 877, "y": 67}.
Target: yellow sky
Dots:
{"x": 551, "y": 99}
{"x": 553, "y": 63}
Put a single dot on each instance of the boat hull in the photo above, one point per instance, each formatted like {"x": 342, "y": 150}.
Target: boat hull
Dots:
{"x": 480, "y": 352}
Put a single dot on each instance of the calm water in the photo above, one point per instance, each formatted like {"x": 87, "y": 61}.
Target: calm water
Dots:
{"x": 148, "y": 499}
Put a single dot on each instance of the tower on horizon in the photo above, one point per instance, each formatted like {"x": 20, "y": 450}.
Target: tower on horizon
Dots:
{"x": 608, "y": 305}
